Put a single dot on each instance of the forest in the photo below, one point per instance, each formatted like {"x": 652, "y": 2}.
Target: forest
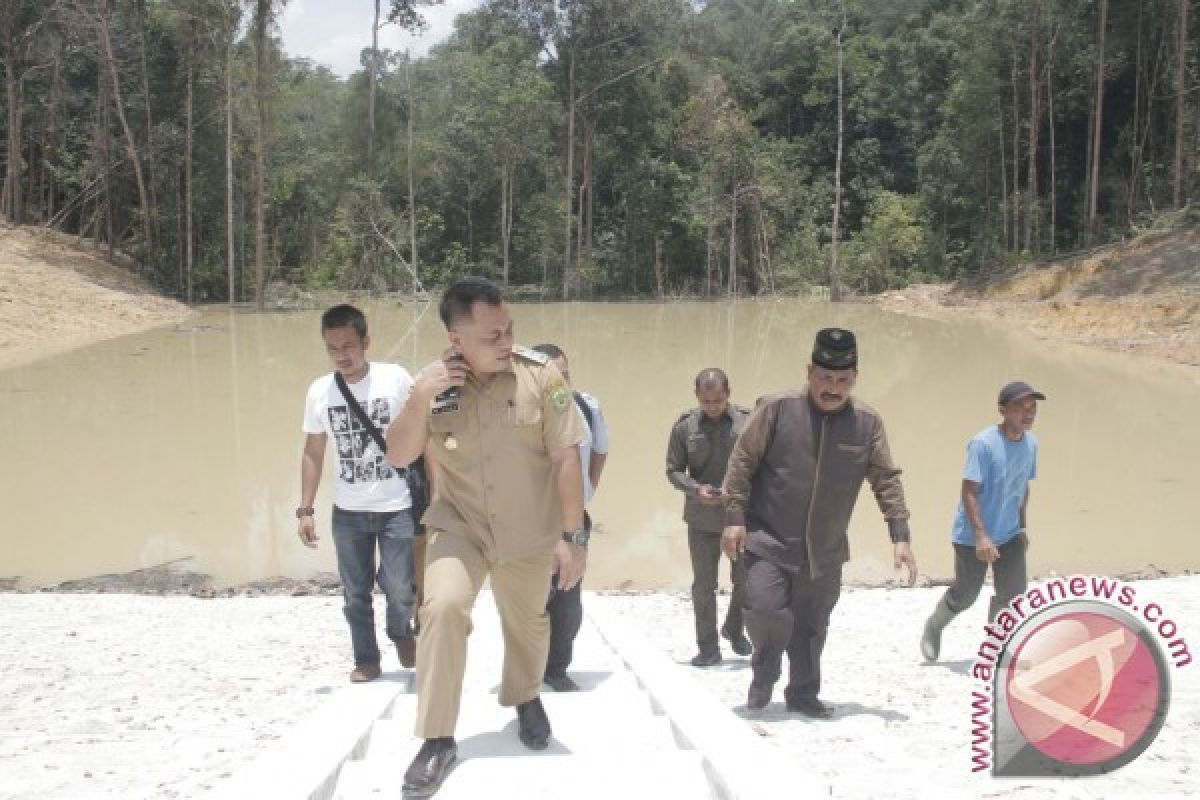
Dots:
{"x": 599, "y": 148}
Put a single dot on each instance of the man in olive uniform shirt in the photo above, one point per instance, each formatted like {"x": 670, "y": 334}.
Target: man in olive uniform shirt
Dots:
{"x": 792, "y": 483}
{"x": 499, "y": 422}
{"x": 697, "y": 452}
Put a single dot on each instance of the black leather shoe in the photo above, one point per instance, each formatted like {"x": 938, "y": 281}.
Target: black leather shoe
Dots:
{"x": 706, "y": 659}
{"x": 561, "y": 683}
{"x": 534, "y": 730}
{"x": 739, "y": 644}
{"x": 811, "y": 707}
{"x": 430, "y": 767}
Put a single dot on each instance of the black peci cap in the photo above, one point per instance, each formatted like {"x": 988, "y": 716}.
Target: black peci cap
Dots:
{"x": 835, "y": 348}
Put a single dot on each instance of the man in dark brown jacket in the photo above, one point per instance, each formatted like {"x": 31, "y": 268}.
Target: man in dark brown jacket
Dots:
{"x": 790, "y": 488}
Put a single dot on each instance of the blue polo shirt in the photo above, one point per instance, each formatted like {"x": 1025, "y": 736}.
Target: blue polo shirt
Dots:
{"x": 1003, "y": 470}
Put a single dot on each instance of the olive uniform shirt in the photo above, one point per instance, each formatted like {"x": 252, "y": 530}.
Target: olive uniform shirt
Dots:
{"x": 496, "y": 483}
{"x": 697, "y": 454}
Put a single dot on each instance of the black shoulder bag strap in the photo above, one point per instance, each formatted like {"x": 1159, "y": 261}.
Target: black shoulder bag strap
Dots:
{"x": 357, "y": 410}
{"x": 585, "y": 410}
{"x": 414, "y": 474}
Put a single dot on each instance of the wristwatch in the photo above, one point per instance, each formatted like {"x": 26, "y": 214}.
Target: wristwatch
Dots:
{"x": 304, "y": 511}
{"x": 579, "y": 537}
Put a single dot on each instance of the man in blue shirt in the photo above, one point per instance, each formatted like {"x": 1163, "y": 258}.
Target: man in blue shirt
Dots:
{"x": 989, "y": 528}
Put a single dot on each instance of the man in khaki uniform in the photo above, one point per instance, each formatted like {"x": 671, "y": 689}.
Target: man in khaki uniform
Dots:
{"x": 499, "y": 423}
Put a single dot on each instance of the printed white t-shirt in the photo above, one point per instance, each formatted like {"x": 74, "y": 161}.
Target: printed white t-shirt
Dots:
{"x": 365, "y": 479}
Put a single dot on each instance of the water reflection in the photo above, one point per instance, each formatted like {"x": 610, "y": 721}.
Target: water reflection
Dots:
{"x": 175, "y": 444}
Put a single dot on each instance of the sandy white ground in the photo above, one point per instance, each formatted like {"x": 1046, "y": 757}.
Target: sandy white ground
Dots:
{"x": 137, "y": 696}
{"x": 902, "y": 727}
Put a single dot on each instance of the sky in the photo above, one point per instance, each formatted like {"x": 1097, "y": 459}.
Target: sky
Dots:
{"x": 334, "y": 32}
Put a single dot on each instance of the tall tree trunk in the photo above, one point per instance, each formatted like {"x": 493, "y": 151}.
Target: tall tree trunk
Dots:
{"x": 1003, "y": 184}
{"x": 1094, "y": 182}
{"x": 590, "y": 179}
{"x": 147, "y": 145}
{"x": 372, "y": 76}
{"x": 1035, "y": 120}
{"x": 187, "y": 159}
{"x": 1180, "y": 94}
{"x": 130, "y": 143}
{"x": 229, "y": 229}
{"x": 570, "y": 199}
{"x": 504, "y": 228}
{"x": 733, "y": 242}
{"x": 710, "y": 236}
{"x": 1016, "y": 158}
{"x": 104, "y": 150}
{"x": 835, "y": 287}
{"x": 1053, "y": 167}
{"x": 412, "y": 192}
{"x": 12, "y": 103}
{"x": 261, "y": 13}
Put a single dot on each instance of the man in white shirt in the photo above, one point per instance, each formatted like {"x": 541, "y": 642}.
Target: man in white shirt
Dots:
{"x": 372, "y": 504}
{"x": 565, "y": 608}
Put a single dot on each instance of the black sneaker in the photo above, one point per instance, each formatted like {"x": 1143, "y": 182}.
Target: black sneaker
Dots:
{"x": 429, "y": 768}
{"x": 707, "y": 659}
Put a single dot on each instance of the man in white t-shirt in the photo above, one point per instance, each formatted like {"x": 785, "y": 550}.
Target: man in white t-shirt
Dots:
{"x": 565, "y": 608}
{"x": 371, "y": 502}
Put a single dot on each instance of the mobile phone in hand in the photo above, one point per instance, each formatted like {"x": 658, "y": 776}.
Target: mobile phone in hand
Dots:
{"x": 453, "y": 392}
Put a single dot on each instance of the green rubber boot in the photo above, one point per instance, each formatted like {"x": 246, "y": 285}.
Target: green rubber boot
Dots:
{"x": 931, "y": 638}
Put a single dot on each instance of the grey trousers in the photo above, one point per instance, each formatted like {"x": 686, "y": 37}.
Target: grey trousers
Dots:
{"x": 1008, "y": 574}
{"x": 787, "y": 611}
{"x": 705, "y": 549}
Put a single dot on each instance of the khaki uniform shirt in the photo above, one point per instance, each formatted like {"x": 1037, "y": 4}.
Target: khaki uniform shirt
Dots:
{"x": 495, "y": 481}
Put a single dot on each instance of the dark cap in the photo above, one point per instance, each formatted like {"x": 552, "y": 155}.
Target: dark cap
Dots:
{"x": 835, "y": 348}
{"x": 1018, "y": 390}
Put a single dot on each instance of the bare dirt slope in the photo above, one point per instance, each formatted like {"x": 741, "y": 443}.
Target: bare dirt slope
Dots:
{"x": 55, "y": 296}
{"x": 1141, "y": 297}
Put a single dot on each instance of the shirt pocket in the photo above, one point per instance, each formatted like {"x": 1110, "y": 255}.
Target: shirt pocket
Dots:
{"x": 857, "y": 453}
{"x": 523, "y": 414}
{"x": 699, "y": 452}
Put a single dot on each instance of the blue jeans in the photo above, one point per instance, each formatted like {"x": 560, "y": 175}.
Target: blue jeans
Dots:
{"x": 355, "y": 536}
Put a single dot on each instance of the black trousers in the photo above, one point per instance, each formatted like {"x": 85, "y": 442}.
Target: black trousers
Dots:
{"x": 1008, "y": 575}
{"x": 565, "y": 610}
{"x": 705, "y": 550}
{"x": 787, "y": 611}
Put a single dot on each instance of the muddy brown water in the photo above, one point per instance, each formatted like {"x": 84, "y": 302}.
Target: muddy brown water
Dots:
{"x": 185, "y": 444}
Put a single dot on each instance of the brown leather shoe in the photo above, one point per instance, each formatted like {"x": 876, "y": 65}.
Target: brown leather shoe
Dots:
{"x": 365, "y": 673}
{"x": 406, "y": 651}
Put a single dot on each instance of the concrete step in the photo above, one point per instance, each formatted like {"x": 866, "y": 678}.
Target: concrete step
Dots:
{"x": 545, "y": 776}
{"x": 615, "y": 728}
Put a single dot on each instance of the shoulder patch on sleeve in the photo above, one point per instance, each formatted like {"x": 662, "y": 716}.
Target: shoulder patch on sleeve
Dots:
{"x": 529, "y": 354}
{"x": 559, "y": 395}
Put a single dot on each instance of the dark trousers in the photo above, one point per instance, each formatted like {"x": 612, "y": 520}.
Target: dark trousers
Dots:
{"x": 566, "y": 616}
{"x": 787, "y": 611}
{"x": 705, "y": 549}
{"x": 565, "y": 610}
{"x": 356, "y": 537}
{"x": 1008, "y": 576}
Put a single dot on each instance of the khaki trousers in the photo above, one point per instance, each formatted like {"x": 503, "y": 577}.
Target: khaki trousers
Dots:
{"x": 455, "y": 568}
